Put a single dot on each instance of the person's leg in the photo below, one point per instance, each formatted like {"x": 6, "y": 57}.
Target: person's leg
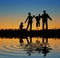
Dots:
{"x": 30, "y": 26}
{"x": 21, "y": 40}
{"x": 39, "y": 24}
{"x": 27, "y": 25}
{"x": 28, "y": 41}
{"x": 46, "y": 39}
{"x": 43, "y": 25}
{"x": 36, "y": 24}
{"x": 43, "y": 40}
{"x": 46, "y": 26}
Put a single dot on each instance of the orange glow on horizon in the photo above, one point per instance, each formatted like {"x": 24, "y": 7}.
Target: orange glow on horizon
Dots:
{"x": 13, "y": 23}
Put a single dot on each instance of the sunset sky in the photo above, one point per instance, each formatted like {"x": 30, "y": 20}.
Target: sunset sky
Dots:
{"x": 13, "y": 12}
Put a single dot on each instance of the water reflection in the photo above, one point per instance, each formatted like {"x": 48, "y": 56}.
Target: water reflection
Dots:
{"x": 37, "y": 47}
{"x": 21, "y": 41}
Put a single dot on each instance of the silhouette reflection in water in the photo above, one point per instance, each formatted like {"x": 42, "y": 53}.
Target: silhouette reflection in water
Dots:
{"x": 21, "y": 41}
{"x": 37, "y": 47}
{"x": 27, "y": 39}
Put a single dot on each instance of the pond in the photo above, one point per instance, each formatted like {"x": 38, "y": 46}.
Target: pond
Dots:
{"x": 37, "y": 47}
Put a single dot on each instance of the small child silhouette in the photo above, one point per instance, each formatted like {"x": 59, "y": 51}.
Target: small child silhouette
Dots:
{"x": 21, "y": 26}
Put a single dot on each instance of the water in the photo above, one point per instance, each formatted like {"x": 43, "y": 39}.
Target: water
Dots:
{"x": 11, "y": 48}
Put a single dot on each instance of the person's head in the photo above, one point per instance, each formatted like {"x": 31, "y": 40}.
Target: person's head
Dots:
{"x": 33, "y": 15}
{"x": 44, "y": 11}
{"x": 21, "y": 23}
{"x": 29, "y": 14}
{"x": 39, "y": 14}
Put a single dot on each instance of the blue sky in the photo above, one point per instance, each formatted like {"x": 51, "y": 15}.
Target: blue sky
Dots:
{"x": 20, "y": 8}
{"x": 16, "y": 7}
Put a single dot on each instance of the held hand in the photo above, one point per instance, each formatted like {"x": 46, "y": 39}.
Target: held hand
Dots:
{"x": 25, "y": 22}
{"x": 51, "y": 19}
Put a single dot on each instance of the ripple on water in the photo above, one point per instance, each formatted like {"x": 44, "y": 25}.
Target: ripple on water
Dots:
{"x": 12, "y": 50}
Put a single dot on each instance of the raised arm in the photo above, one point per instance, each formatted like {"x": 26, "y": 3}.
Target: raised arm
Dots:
{"x": 49, "y": 17}
{"x": 26, "y": 20}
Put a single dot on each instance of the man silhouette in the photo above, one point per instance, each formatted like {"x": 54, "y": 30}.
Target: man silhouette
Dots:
{"x": 45, "y": 17}
{"x": 29, "y": 18}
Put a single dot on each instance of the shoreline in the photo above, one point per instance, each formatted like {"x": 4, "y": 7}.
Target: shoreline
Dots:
{"x": 50, "y": 33}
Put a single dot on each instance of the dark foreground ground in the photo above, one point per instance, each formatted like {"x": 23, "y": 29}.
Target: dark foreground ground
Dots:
{"x": 51, "y": 33}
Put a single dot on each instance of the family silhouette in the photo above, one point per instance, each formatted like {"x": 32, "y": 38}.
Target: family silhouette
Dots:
{"x": 42, "y": 47}
{"x": 44, "y": 18}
